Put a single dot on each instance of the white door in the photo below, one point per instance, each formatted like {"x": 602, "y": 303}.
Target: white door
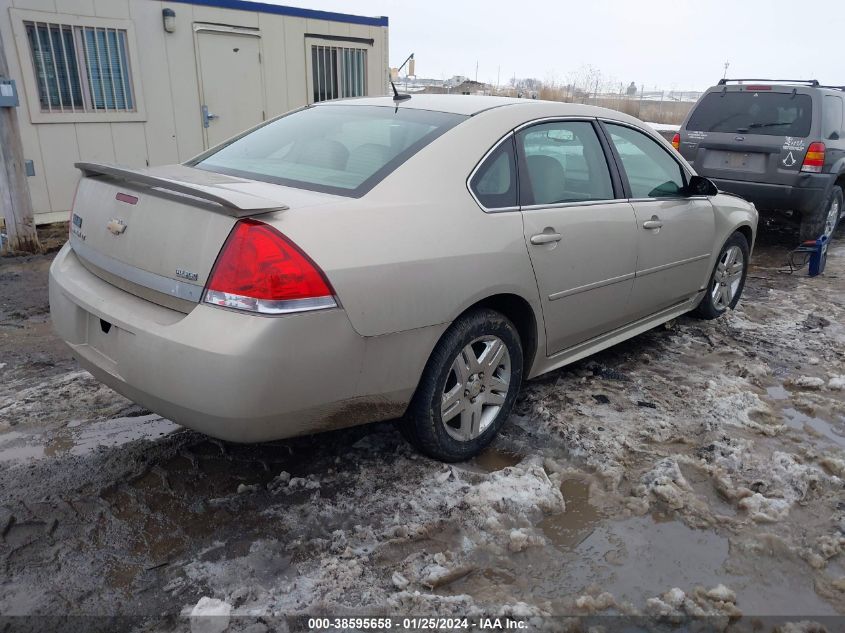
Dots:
{"x": 230, "y": 83}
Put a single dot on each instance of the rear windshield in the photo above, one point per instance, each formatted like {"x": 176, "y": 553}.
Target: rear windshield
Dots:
{"x": 334, "y": 148}
{"x": 771, "y": 113}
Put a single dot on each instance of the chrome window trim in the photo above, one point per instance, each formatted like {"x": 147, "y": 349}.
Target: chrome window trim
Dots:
{"x": 565, "y": 205}
{"x": 165, "y": 285}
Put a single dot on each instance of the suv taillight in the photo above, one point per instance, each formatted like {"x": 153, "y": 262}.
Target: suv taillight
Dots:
{"x": 676, "y": 141}
{"x": 260, "y": 270}
{"x": 814, "y": 160}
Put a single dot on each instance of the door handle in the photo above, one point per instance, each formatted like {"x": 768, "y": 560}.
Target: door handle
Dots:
{"x": 654, "y": 223}
{"x": 545, "y": 238}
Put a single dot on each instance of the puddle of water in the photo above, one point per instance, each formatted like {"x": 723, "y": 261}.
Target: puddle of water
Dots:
{"x": 570, "y": 528}
{"x": 778, "y": 392}
{"x": 80, "y": 439}
{"x": 831, "y": 430}
{"x": 494, "y": 459}
{"x": 639, "y": 558}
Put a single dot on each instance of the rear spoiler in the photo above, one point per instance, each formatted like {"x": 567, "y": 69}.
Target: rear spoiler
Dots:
{"x": 236, "y": 203}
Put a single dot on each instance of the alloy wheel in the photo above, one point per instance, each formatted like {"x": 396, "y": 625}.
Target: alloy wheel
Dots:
{"x": 476, "y": 388}
{"x": 727, "y": 278}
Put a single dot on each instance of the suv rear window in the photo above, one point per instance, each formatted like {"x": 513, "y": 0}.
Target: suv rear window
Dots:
{"x": 770, "y": 113}
{"x": 339, "y": 149}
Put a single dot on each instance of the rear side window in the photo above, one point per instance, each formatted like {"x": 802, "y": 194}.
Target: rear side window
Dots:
{"x": 494, "y": 184}
{"x": 565, "y": 163}
{"x": 769, "y": 113}
{"x": 651, "y": 171}
{"x": 345, "y": 150}
{"x": 832, "y": 117}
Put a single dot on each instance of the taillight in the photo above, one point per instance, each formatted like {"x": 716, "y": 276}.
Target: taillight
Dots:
{"x": 814, "y": 160}
{"x": 676, "y": 141}
{"x": 260, "y": 270}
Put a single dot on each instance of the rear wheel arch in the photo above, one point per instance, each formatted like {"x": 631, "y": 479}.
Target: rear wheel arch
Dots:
{"x": 521, "y": 314}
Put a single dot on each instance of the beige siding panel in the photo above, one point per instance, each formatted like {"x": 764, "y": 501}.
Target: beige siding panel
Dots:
{"x": 229, "y": 17}
{"x": 31, "y": 148}
{"x": 115, "y": 9}
{"x": 95, "y": 142}
{"x": 295, "y": 59}
{"x": 274, "y": 58}
{"x": 130, "y": 146}
{"x": 59, "y": 151}
{"x": 35, "y": 5}
{"x": 161, "y": 143}
{"x": 75, "y": 7}
{"x": 184, "y": 85}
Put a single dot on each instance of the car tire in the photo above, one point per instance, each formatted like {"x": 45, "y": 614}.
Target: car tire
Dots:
{"x": 467, "y": 389}
{"x": 824, "y": 221}
{"x": 726, "y": 283}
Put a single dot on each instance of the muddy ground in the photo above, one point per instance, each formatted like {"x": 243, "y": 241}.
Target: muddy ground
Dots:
{"x": 696, "y": 470}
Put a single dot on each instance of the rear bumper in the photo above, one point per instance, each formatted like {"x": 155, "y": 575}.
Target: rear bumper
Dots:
{"x": 804, "y": 197}
{"x": 234, "y": 376}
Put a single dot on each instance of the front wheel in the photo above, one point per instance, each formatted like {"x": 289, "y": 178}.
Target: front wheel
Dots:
{"x": 728, "y": 279}
{"x": 467, "y": 389}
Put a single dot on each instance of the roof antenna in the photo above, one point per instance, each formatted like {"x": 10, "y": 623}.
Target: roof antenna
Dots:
{"x": 396, "y": 95}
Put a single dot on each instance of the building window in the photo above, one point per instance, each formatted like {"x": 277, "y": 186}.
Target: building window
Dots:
{"x": 338, "y": 72}
{"x": 81, "y": 68}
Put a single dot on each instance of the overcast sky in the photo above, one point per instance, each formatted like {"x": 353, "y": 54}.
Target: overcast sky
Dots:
{"x": 665, "y": 43}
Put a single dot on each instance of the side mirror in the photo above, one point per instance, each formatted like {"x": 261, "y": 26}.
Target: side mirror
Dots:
{"x": 701, "y": 186}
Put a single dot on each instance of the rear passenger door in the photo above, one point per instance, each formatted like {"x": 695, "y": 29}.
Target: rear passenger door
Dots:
{"x": 675, "y": 232}
{"x": 581, "y": 233}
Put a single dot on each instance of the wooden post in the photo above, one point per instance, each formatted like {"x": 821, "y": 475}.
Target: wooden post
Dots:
{"x": 14, "y": 188}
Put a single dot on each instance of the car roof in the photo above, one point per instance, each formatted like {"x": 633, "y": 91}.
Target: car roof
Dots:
{"x": 470, "y": 105}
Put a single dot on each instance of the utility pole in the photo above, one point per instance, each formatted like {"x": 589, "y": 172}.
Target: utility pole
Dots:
{"x": 725, "y": 74}
{"x": 14, "y": 188}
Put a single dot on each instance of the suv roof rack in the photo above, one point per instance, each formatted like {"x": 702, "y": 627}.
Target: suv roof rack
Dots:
{"x": 809, "y": 82}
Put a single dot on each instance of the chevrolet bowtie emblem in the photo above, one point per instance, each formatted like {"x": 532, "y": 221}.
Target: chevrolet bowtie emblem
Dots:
{"x": 116, "y": 226}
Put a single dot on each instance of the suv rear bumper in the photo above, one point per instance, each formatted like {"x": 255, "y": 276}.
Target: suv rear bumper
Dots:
{"x": 807, "y": 196}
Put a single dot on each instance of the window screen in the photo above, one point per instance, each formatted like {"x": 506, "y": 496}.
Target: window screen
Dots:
{"x": 80, "y": 68}
{"x": 338, "y": 72}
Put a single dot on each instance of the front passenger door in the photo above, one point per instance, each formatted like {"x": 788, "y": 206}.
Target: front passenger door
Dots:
{"x": 675, "y": 232}
{"x": 581, "y": 236}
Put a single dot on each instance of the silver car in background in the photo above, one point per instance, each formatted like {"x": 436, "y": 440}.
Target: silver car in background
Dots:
{"x": 373, "y": 259}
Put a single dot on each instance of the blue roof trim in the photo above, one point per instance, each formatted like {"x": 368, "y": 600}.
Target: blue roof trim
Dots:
{"x": 297, "y": 12}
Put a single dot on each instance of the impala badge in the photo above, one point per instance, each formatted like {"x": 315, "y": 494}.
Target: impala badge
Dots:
{"x": 186, "y": 274}
{"x": 117, "y": 227}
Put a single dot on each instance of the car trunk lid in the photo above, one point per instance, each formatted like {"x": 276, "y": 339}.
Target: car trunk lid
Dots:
{"x": 157, "y": 232}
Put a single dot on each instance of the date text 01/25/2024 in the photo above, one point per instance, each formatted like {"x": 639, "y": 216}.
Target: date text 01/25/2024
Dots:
{"x": 418, "y": 624}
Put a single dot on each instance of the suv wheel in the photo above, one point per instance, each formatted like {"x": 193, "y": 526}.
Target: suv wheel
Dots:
{"x": 824, "y": 222}
{"x": 467, "y": 389}
{"x": 727, "y": 280}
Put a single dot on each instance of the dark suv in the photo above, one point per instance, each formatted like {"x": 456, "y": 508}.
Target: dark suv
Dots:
{"x": 777, "y": 143}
